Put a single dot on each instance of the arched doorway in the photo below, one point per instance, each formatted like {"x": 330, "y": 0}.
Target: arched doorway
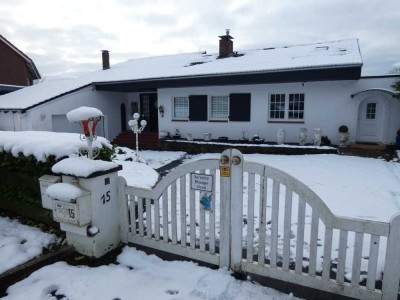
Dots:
{"x": 123, "y": 117}
{"x": 372, "y": 121}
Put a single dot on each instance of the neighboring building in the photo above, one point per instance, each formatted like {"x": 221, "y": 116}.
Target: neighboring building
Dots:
{"x": 227, "y": 94}
{"x": 16, "y": 68}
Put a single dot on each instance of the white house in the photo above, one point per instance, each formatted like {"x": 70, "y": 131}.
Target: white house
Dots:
{"x": 227, "y": 94}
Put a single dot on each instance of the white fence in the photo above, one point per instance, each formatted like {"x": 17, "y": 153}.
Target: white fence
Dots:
{"x": 263, "y": 221}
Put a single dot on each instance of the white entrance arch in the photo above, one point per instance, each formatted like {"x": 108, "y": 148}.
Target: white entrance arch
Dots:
{"x": 373, "y": 118}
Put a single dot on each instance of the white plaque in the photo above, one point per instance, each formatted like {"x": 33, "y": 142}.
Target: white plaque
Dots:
{"x": 201, "y": 182}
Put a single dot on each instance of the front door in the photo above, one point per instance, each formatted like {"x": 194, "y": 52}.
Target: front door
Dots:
{"x": 149, "y": 111}
{"x": 370, "y": 120}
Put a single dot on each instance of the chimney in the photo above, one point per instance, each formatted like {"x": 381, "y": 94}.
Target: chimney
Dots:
{"x": 106, "y": 59}
{"x": 225, "y": 45}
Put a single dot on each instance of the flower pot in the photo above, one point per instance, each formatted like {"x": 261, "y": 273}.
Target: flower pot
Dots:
{"x": 207, "y": 136}
{"x": 189, "y": 137}
{"x": 280, "y": 136}
{"x": 343, "y": 138}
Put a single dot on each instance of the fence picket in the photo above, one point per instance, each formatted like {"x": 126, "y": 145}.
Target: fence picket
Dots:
{"x": 342, "y": 256}
{"x": 274, "y": 223}
{"x": 192, "y": 216}
{"x": 287, "y": 228}
{"x": 357, "y": 256}
{"x": 326, "y": 268}
{"x": 250, "y": 215}
{"x": 372, "y": 262}
{"x": 165, "y": 215}
{"x": 212, "y": 214}
{"x": 157, "y": 219}
{"x": 202, "y": 223}
{"x": 313, "y": 243}
{"x": 300, "y": 235}
{"x": 182, "y": 188}
{"x": 140, "y": 215}
{"x": 174, "y": 222}
{"x": 262, "y": 221}
{"x": 148, "y": 218}
{"x": 132, "y": 211}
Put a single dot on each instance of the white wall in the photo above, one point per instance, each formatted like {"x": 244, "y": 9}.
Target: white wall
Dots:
{"x": 328, "y": 104}
{"x": 40, "y": 118}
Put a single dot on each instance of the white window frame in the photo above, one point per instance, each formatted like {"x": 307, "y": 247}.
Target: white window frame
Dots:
{"x": 210, "y": 111}
{"x": 286, "y": 109}
{"x": 174, "y": 116}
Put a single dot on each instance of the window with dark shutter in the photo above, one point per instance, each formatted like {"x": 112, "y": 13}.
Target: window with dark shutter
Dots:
{"x": 198, "y": 108}
{"x": 239, "y": 107}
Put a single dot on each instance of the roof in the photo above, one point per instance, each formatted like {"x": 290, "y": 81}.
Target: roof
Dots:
{"x": 342, "y": 54}
{"x": 29, "y": 62}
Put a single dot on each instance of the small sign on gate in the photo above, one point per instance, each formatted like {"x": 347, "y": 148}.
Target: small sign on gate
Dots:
{"x": 201, "y": 182}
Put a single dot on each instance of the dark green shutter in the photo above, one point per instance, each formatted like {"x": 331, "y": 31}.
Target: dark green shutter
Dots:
{"x": 239, "y": 107}
{"x": 198, "y": 108}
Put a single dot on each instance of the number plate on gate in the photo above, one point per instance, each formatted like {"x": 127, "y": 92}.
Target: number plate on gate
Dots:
{"x": 65, "y": 212}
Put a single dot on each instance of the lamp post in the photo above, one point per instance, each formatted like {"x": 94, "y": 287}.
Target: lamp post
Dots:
{"x": 134, "y": 125}
{"x": 87, "y": 117}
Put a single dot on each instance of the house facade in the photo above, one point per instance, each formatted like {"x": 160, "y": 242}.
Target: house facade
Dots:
{"x": 229, "y": 94}
{"x": 16, "y": 68}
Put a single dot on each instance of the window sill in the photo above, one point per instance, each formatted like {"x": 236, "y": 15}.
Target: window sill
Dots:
{"x": 218, "y": 121}
{"x": 180, "y": 120}
{"x": 287, "y": 121}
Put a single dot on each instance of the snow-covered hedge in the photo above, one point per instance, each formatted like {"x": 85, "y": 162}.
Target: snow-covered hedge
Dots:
{"x": 35, "y": 152}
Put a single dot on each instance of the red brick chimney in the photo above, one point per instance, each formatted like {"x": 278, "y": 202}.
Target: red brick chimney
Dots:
{"x": 106, "y": 59}
{"x": 225, "y": 45}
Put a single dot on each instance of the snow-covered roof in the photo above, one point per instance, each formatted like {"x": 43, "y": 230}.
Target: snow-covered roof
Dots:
{"x": 343, "y": 53}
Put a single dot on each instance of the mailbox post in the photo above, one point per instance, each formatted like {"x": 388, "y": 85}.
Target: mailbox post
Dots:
{"x": 86, "y": 204}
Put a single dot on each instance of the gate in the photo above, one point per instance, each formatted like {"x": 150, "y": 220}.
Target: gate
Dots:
{"x": 256, "y": 219}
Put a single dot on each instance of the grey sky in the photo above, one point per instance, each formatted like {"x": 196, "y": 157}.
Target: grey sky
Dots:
{"x": 67, "y": 36}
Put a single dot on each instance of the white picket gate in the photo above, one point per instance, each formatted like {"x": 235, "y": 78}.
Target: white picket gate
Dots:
{"x": 263, "y": 221}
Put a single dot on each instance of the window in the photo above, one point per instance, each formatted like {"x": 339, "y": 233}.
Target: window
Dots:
{"x": 371, "y": 111}
{"x": 181, "y": 108}
{"x": 219, "y": 108}
{"x": 282, "y": 110}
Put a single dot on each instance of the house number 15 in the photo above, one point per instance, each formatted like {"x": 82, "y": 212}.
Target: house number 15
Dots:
{"x": 106, "y": 197}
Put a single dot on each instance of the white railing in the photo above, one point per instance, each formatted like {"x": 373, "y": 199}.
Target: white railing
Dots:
{"x": 268, "y": 224}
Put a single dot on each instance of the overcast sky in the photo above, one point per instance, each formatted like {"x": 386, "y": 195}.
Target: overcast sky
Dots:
{"x": 67, "y": 36}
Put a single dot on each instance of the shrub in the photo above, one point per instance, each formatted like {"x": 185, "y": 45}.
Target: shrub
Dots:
{"x": 343, "y": 129}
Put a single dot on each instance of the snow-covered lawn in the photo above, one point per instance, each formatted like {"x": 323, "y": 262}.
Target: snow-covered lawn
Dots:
{"x": 20, "y": 243}
{"x": 138, "y": 276}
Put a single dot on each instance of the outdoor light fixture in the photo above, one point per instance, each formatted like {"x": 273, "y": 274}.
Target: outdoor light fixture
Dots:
{"x": 137, "y": 129}
{"x": 87, "y": 117}
{"x": 161, "y": 110}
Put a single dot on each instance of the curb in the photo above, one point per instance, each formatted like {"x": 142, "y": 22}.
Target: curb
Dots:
{"x": 21, "y": 272}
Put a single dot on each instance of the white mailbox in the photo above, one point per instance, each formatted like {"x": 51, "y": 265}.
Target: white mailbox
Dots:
{"x": 76, "y": 212}
{"x": 45, "y": 181}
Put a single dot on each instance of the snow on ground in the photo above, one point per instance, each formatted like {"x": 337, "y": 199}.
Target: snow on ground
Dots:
{"x": 350, "y": 186}
{"x": 20, "y": 243}
{"x": 138, "y": 276}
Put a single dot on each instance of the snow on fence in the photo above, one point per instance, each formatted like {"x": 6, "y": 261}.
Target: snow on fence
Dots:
{"x": 267, "y": 223}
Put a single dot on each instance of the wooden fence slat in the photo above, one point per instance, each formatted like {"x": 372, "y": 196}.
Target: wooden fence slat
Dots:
{"x": 192, "y": 219}
{"x": 202, "y": 223}
{"x": 140, "y": 215}
{"x": 287, "y": 228}
{"x": 262, "y": 220}
{"x": 274, "y": 223}
{"x": 342, "y": 256}
{"x": 300, "y": 235}
{"x": 182, "y": 200}
{"x": 373, "y": 262}
{"x": 313, "y": 243}
{"x": 157, "y": 219}
{"x": 148, "y": 218}
{"x": 212, "y": 214}
{"x": 357, "y": 256}
{"x": 174, "y": 221}
{"x": 133, "y": 216}
{"x": 165, "y": 215}
{"x": 250, "y": 216}
{"x": 326, "y": 268}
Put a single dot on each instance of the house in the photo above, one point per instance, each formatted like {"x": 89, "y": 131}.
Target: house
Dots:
{"x": 16, "y": 68}
{"x": 232, "y": 93}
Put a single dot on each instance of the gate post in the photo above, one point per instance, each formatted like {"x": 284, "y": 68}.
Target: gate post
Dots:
{"x": 391, "y": 271}
{"x": 231, "y": 172}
